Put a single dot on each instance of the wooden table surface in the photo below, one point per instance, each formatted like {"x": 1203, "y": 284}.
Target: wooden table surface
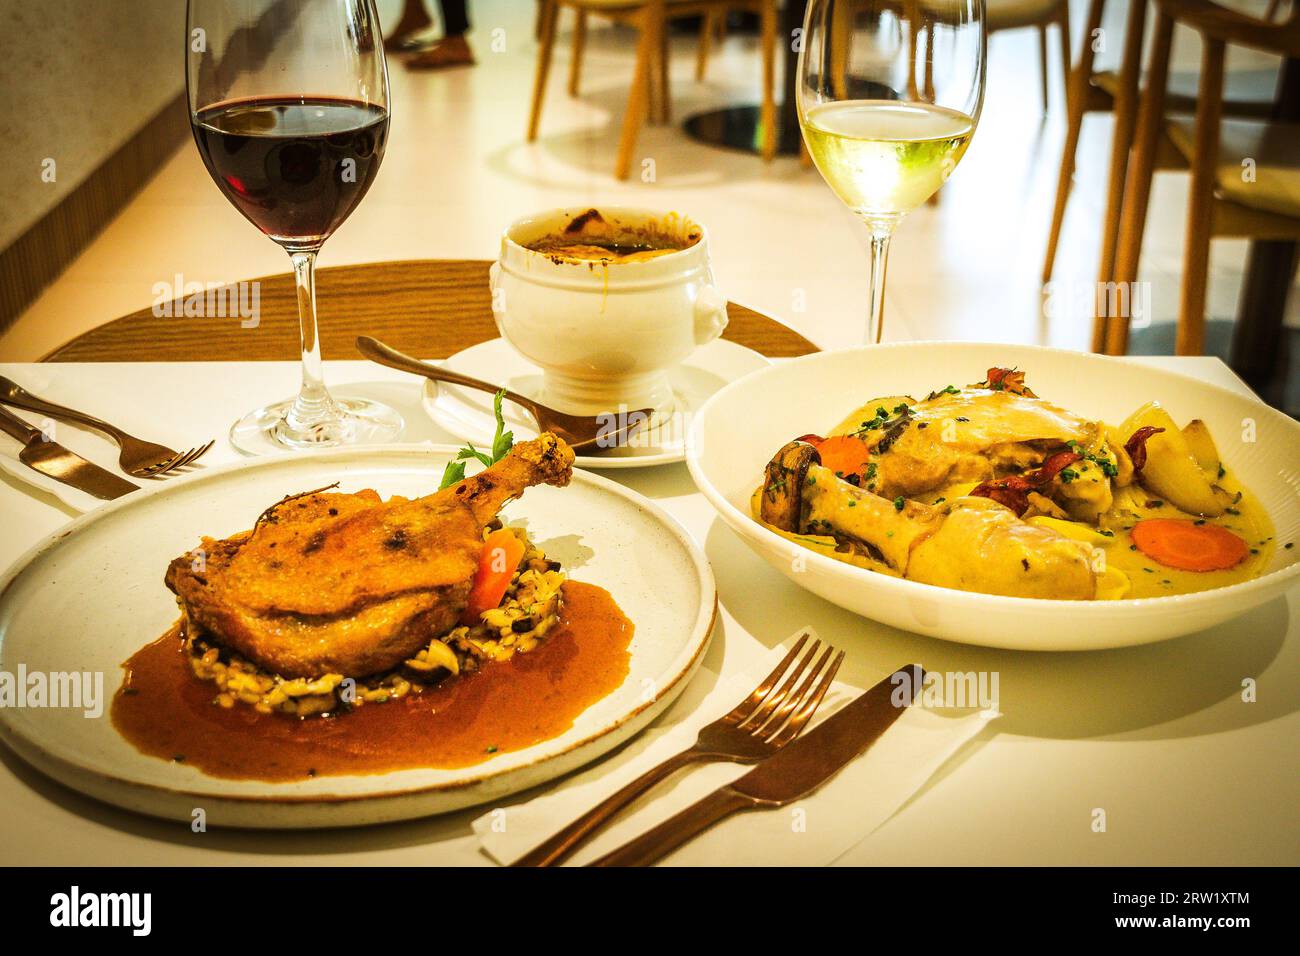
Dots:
{"x": 432, "y": 308}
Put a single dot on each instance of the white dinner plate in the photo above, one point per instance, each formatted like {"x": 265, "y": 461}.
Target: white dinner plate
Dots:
{"x": 467, "y": 413}
{"x": 91, "y": 594}
{"x": 744, "y": 425}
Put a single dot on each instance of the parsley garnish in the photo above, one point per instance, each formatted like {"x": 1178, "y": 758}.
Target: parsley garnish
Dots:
{"x": 502, "y": 442}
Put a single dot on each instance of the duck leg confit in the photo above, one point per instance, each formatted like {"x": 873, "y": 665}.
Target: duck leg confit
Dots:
{"x": 348, "y": 583}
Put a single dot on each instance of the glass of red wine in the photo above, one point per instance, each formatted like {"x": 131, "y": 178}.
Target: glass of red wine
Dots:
{"x": 289, "y": 107}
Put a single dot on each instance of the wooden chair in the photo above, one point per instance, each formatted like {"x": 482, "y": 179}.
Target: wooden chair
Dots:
{"x": 1222, "y": 201}
{"x": 1117, "y": 92}
{"x": 1003, "y": 15}
{"x": 649, "y": 94}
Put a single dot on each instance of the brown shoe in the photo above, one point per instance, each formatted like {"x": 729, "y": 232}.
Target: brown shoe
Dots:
{"x": 414, "y": 20}
{"x": 451, "y": 52}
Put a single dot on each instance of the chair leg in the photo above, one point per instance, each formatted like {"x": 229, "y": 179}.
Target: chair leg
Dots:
{"x": 912, "y": 14}
{"x": 702, "y": 49}
{"x": 1042, "y": 61}
{"x": 1137, "y": 192}
{"x": 638, "y": 98}
{"x": 1125, "y": 117}
{"x": 579, "y": 48}
{"x": 547, "y": 13}
{"x": 927, "y": 89}
{"x": 841, "y": 29}
{"x": 1078, "y": 81}
{"x": 768, "y": 113}
{"x": 665, "y": 89}
{"x": 1200, "y": 210}
{"x": 1063, "y": 24}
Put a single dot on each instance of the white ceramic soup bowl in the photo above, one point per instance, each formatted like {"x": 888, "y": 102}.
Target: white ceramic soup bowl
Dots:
{"x": 605, "y": 334}
{"x": 741, "y": 427}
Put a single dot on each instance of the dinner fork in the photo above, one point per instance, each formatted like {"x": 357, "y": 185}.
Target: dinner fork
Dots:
{"x": 143, "y": 459}
{"x": 760, "y": 725}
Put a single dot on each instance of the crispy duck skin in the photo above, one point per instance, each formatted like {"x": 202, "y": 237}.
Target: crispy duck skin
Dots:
{"x": 348, "y": 583}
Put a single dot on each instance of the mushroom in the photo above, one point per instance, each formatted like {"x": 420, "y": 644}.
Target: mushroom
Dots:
{"x": 783, "y": 483}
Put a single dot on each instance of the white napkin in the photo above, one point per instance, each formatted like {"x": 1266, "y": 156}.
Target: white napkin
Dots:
{"x": 811, "y": 832}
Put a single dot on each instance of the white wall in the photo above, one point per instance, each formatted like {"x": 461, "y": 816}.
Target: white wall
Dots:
{"x": 77, "y": 79}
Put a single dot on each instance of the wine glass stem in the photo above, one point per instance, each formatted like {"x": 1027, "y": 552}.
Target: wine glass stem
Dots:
{"x": 313, "y": 404}
{"x": 879, "y": 259}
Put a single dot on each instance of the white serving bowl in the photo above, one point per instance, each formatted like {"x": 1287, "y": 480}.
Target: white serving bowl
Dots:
{"x": 605, "y": 334}
{"x": 738, "y": 431}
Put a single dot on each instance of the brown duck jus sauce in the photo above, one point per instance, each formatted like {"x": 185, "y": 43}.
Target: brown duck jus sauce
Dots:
{"x": 166, "y": 712}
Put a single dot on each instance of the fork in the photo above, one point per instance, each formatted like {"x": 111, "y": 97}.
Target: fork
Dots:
{"x": 760, "y": 725}
{"x": 143, "y": 459}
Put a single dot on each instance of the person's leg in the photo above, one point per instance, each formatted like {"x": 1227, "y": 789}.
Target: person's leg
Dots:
{"x": 455, "y": 18}
{"x": 453, "y": 49}
{"x": 414, "y": 19}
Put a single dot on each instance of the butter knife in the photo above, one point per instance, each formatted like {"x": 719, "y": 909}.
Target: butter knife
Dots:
{"x": 52, "y": 459}
{"x": 796, "y": 770}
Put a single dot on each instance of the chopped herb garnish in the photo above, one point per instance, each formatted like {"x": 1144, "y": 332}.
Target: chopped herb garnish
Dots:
{"x": 898, "y": 503}
{"x": 947, "y": 390}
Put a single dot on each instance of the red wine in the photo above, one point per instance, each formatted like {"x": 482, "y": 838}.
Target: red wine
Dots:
{"x": 295, "y": 167}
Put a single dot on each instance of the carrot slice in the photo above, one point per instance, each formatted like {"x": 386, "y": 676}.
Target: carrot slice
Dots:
{"x": 497, "y": 563}
{"x": 844, "y": 454}
{"x": 1188, "y": 546}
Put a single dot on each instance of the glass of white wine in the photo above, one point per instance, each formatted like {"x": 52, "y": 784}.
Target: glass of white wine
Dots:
{"x": 889, "y": 96}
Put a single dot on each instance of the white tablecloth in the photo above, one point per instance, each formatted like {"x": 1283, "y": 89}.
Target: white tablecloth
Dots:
{"x": 1157, "y": 737}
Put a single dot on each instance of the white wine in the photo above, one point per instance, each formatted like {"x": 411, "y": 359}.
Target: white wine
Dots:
{"x": 884, "y": 158}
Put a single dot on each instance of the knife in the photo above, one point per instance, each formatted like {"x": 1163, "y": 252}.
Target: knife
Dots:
{"x": 51, "y": 458}
{"x": 796, "y": 770}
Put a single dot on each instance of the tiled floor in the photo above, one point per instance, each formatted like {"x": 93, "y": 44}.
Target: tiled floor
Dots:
{"x": 457, "y": 170}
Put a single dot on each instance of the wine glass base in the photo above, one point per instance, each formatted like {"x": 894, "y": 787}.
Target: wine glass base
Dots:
{"x": 364, "y": 422}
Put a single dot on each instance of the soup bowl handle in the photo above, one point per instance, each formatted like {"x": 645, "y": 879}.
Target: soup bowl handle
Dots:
{"x": 710, "y": 315}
